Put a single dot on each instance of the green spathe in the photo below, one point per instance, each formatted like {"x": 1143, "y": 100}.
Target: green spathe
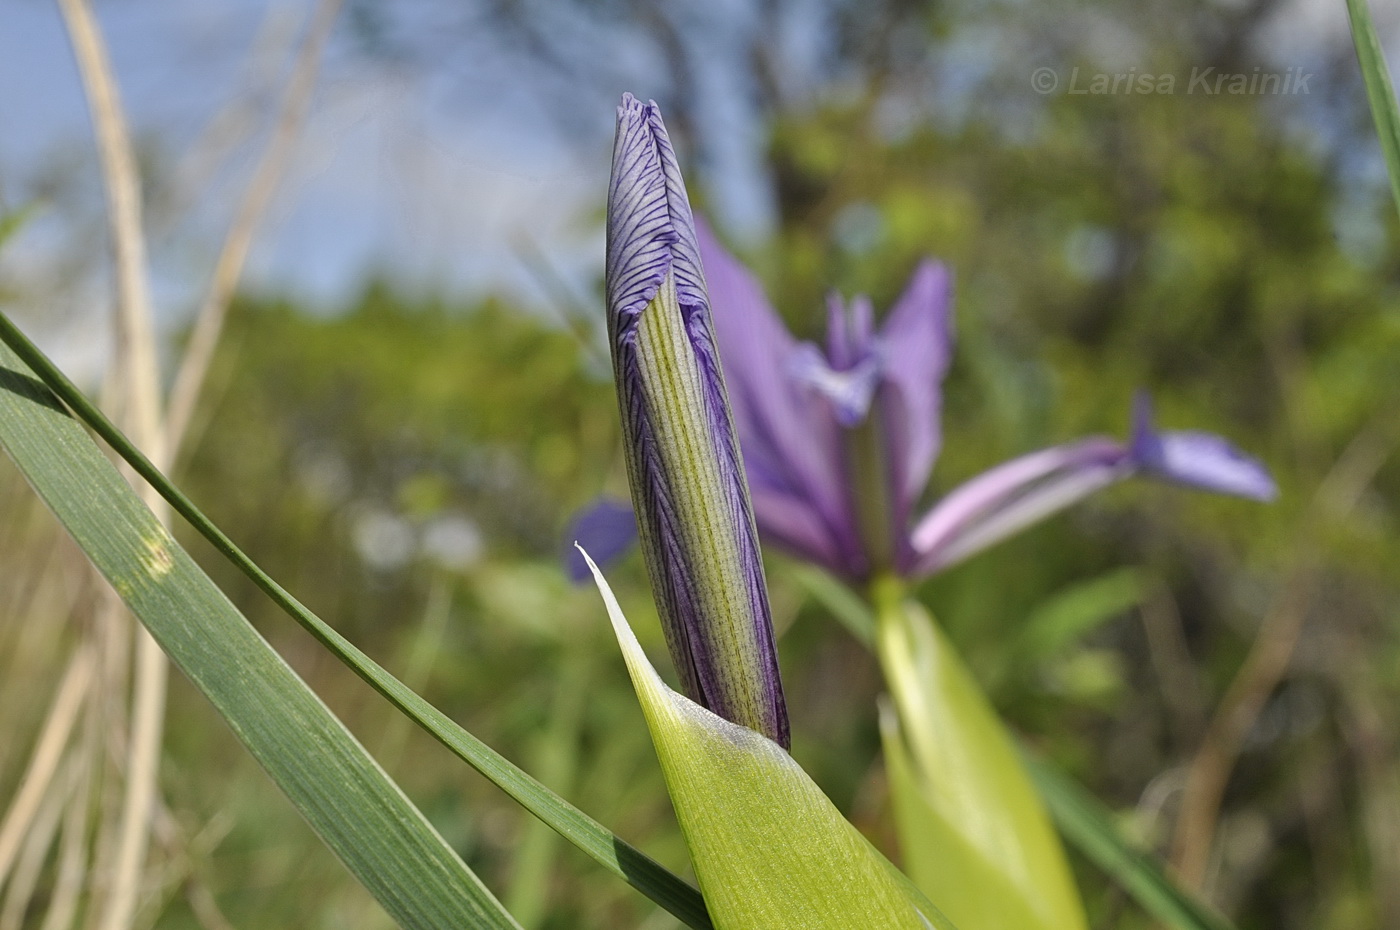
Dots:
{"x": 770, "y": 850}
{"x": 973, "y": 832}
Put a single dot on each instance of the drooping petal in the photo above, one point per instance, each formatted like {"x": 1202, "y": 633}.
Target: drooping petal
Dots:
{"x": 1007, "y": 499}
{"x": 607, "y": 528}
{"x": 791, "y": 442}
{"x": 790, "y": 524}
{"x": 688, "y": 486}
{"x": 1013, "y": 496}
{"x": 916, "y": 343}
{"x": 1196, "y": 459}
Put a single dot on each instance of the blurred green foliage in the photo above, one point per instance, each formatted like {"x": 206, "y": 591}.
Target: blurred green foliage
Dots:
{"x": 1208, "y": 249}
{"x": 1193, "y": 248}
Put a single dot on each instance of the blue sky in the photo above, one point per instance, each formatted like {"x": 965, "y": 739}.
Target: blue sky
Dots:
{"x": 383, "y": 179}
{"x": 435, "y": 176}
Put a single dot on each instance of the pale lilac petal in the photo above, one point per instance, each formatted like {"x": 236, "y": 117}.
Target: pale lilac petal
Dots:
{"x": 1196, "y": 459}
{"x": 791, "y": 442}
{"x": 607, "y": 528}
{"x": 1023, "y": 491}
{"x": 790, "y": 524}
{"x": 838, "y": 332}
{"x": 916, "y": 344}
{"x": 1001, "y": 502}
{"x": 849, "y": 331}
{"x": 850, "y": 391}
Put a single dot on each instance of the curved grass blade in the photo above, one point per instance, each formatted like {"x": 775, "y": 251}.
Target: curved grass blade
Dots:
{"x": 640, "y": 871}
{"x": 1379, "y": 90}
{"x": 345, "y": 796}
{"x": 1088, "y": 827}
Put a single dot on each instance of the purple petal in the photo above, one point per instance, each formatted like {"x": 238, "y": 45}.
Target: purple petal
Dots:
{"x": 694, "y": 516}
{"x": 791, "y": 442}
{"x": 788, "y": 523}
{"x": 1196, "y": 459}
{"x": 1007, "y": 499}
{"x": 849, "y": 332}
{"x": 1023, "y": 491}
{"x": 607, "y": 528}
{"x": 850, "y": 391}
{"x": 916, "y": 344}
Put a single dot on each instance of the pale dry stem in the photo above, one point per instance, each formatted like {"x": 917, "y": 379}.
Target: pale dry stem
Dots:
{"x": 139, "y": 365}
{"x": 296, "y": 102}
{"x": 38, "y": 840}
{"x": 48, "y": 754}
{"x": 72, "y": 857}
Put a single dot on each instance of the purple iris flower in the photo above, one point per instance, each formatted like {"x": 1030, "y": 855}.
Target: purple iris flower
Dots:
{"x": 688, "y": 489}
{"x": 839, "y": 441}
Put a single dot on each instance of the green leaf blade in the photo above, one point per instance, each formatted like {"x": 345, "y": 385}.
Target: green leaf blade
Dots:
{"x": 769, "y": 848}
{"x": 1379, "y": 90}
{"x": 606, "y": 848}
{"x": 347, "y": 799}
{"x": 1089, "y": 828}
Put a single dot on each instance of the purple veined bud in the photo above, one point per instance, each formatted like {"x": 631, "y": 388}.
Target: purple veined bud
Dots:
{"x": 687, "y": 478}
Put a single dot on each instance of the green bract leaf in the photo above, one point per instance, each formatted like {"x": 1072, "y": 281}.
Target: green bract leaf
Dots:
{"x": 975, "y": 837}
{"x": 1379, "y": 91}
{"x": 346, "y": 797}
{"x": 604, "y": 846}
{"x": 1086, "y": 824}
{"x": 771, "y": 851}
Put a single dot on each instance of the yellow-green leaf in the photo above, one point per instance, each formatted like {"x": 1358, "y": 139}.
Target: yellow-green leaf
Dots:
{"x": 769, "y": 848}
{"x": 974, "y": 835}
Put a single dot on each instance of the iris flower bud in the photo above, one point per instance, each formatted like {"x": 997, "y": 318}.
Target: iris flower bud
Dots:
{"x": 688, "y": 485}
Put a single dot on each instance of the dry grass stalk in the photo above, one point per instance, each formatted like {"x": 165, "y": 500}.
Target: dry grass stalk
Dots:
{"x": 130, "y": 733}
{"x": 138, "y": 364}
{"x": 1267, "y": 663}
{"x": 48, "y": 755}
{"x": 296, "y": 102}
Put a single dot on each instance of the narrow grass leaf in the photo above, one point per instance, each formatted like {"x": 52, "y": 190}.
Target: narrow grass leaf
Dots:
{"x": 1089, "y": 827}
{"x": 843, "y": 603}
{"x": 1078, "y": 610}
{"x": 663, "y": 887}
{"x": 1379, "y": 90}
{"x": 14, "y": 220}
{"x": 344, "y": 795}
{"x": 769, "y": 848}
